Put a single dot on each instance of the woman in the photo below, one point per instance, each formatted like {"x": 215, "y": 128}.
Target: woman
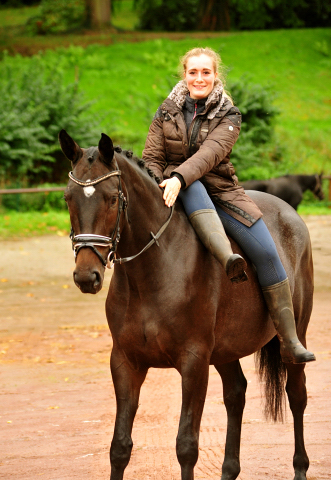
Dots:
{"x": 188, "y": 146}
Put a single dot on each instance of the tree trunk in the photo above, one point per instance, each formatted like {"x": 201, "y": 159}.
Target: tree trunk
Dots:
{"x": 214, "y": 15}
{"x": 99, "y": 13}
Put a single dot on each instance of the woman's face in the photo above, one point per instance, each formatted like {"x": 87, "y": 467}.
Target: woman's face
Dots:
{"x": 200, "y": 76}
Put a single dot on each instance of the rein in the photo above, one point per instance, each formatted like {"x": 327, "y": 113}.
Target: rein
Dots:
{"x": 90, "y": 240}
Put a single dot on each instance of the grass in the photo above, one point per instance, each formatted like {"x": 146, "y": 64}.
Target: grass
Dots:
{"x": 29, "y": 224}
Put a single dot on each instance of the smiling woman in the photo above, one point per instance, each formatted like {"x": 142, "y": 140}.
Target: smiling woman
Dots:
{"x": 188, "y": 147}
{"x": 200, "y": 76}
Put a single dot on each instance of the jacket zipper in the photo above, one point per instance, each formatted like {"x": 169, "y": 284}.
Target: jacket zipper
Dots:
{"x": 195, "y": 111}
{"x": 195, "y": 125}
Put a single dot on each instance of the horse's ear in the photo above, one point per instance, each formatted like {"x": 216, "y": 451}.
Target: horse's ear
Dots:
{"x": 69, "y": 147}
{"x": 106, "y": 148}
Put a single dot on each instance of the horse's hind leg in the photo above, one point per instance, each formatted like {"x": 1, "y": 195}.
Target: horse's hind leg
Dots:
{"x": 297, "y": 396}
{"x": 194, "y": 371}
{"x": 127, "y": 384}
{"x": 234, "y": 390}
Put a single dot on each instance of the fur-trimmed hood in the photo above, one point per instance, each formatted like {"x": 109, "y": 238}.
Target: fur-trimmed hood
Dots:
{"x": 214, "y": 102}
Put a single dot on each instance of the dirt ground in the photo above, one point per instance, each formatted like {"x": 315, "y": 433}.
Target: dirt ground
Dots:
{"x": 57, "y": 401}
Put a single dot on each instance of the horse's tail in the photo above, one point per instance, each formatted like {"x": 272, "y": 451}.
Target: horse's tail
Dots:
{"x": 272, "y": 373}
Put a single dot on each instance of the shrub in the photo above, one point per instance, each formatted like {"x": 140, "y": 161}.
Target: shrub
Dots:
{"x": 33, "y": 202}
{"x": 169, "y": 15}
{"x": 58, "y": 16}
{"x": 35, "y": 105}
{"x": 256, "y": 152}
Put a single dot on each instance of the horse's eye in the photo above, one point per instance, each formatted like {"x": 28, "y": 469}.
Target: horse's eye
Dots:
{"x": 113, "y": 200}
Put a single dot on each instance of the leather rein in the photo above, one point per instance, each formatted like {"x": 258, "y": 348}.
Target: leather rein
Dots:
{"x": 90, "y": 240}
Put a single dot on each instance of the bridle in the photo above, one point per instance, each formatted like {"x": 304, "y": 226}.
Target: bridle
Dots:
{"x": 90, "y": 240}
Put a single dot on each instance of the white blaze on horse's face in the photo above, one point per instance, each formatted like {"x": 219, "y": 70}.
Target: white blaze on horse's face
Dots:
{"x": 88, "y": 191}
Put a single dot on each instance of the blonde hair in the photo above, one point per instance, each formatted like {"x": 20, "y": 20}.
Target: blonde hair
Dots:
{"x": 216, "y": 59}
{"x": 196, "y": 52}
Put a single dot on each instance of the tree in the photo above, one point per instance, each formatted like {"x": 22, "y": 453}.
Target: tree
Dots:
{"x": 99, "y": 13}
{"x": 214, "y": 15}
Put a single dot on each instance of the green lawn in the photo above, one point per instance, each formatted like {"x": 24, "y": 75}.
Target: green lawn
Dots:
{"x": 29, "y": 224}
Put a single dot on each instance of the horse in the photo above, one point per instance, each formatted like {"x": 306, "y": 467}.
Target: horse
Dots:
{"x": 289, "y": 188}
{"x": 171, "y": 305}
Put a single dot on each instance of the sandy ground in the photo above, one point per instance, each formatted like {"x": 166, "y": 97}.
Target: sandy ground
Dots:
{"x": 57, "y": 401}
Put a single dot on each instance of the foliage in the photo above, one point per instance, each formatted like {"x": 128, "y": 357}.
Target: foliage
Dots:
{"x": 35, "y": 104}
{"x": 31, "y": 202}
{"x": 169, "y": 15}
{"x": 17, "y": 3}
{"x": 255, "y": 151}
{"x": 58, "y": 16}
{"x": 172, "y": 15}
{"x": 264, "y": 14}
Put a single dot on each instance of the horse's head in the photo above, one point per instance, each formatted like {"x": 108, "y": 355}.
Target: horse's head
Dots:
{"x": 96, "y": 201}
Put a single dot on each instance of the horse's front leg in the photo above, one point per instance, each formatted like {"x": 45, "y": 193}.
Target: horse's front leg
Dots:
{"x": 127, "y": 384}
{"x": 297, "y": 396}
{"x": 234, "y": 390}
{"x": 194, "y": 371}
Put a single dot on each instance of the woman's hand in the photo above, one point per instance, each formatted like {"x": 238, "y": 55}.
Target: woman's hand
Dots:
{"x": 171, "y": 190}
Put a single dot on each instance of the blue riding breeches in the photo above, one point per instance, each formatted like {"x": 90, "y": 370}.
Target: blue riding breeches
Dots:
{"x": 255, "y": 241}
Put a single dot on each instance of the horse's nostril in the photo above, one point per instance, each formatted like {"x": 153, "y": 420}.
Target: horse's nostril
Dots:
{"x": 97, "y": 279}
{"x": 88, "y": 282}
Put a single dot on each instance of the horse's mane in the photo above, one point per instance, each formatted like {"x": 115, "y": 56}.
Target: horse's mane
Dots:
{"x": 139, "y": 161}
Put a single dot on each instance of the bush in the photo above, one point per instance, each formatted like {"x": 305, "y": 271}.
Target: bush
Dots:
{"x": 58, "y": 16}
{"x": 33, "y": 202}
{"x": 169, "y": 15}
{"x": 34, "y": 106}
{"x": 256, "y": 152}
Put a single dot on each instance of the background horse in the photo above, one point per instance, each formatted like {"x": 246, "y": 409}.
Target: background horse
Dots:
{"x": 289, "y": 188}
{"x": 171, "y": 305}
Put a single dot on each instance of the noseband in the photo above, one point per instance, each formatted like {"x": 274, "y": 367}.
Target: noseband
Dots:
{"x": 89, "y": 240}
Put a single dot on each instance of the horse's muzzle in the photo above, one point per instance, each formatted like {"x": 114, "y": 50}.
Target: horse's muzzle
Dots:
{"x": 88, "y": 281}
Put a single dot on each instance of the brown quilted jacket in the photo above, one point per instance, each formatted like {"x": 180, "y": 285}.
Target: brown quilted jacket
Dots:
{"x": 201, "y": 153}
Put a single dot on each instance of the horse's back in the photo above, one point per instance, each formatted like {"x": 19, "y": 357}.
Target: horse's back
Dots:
{"x": 243, "y": 314}
{"x": 287, "y": 228}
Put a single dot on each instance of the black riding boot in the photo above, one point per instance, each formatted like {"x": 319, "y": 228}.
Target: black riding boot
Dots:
{"x": 209, "y": 228}
{"x": 279, "y": 302}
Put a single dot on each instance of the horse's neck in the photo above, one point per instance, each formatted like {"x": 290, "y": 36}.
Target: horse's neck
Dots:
{"x": 146, "y": 214}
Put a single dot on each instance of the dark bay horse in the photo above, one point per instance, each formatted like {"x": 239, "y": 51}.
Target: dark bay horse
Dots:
{"x": 171, "y": 305}
{"x": 289, "y": 188}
